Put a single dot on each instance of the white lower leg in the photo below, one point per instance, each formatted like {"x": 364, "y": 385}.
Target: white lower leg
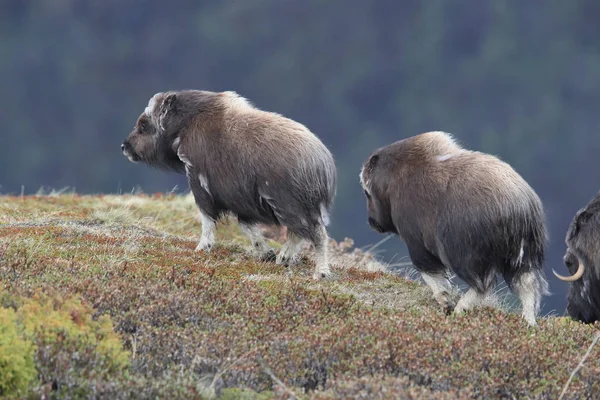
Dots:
{"x": 472, "y": 298}
{"x": 290, "y": 252}
{"x": 207, "y": 240}
{"x": 440, "y": 286}
{"x": 322, "y": 256}
{"x": 529, "y": 288}
{"x": 260, "y": 248}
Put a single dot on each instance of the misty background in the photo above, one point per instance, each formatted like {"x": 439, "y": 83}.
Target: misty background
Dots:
{"x": 518, "y": 79}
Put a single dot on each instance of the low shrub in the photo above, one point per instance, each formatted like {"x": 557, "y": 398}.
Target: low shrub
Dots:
{"x": 52, "y": 344}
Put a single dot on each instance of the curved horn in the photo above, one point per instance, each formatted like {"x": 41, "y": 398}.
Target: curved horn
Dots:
{"x": 576, "y": 276}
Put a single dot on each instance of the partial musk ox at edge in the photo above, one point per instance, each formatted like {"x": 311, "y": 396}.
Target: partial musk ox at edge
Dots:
{"x": 259, "y": 166}
{"x": 582, "y": 258}
{"x": 462, "y": 211}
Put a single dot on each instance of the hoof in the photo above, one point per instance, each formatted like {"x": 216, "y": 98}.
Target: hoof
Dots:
{"x": 206, "y": 247}
{"x": 287, "y": 261}
{"x": 319, "y": 275}
{"x": 448, "y": 307}
{"x": 269, "y": 256}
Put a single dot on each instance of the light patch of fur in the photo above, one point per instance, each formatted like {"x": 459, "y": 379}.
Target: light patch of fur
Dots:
{"x": 233, "y": 100}
{"x": 204, "y": 182}
{"x": 444, "y": 157}
{"x": 439, "y": 142}
{"x": 521, "y": 252}
{"x": 207, "y": 240}
{"x": 151, "y": 105}
{"x": 176, "y": 143}
{"x": 184, "y": 159}
{"x": 586, "y": 291}
{"x": 324, "y": 215}
{"x": 364, "y": 184}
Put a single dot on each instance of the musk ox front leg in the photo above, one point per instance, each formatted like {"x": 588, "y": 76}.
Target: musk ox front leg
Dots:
{"x": 207, "y": 240}
{"x": 208, "y": 212}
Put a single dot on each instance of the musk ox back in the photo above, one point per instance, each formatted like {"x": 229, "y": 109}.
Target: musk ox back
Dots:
{"x": 260, "y": 166}
{"x": 582, "y": 258}
{"x": 462, "y": 211}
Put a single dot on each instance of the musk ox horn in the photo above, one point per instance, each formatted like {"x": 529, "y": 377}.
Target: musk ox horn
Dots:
{"x": 574, "y": 277}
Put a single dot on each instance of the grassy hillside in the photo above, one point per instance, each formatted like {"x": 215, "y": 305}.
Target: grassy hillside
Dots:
{"x": 104, "y": 297}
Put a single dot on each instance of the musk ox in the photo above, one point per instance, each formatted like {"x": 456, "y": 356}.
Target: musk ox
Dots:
{"x": 260, "y": 166}
{"x": 461, "y": 211}
{"x": 582, "y": 258}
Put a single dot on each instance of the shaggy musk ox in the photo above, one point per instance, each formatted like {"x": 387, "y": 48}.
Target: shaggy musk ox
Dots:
{"x": 582, "y": 258}
{"x": 257, "y": 165}
{"x": 462, "y": 211}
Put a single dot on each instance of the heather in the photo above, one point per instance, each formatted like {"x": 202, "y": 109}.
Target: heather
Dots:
{"x": 104, "y": 297}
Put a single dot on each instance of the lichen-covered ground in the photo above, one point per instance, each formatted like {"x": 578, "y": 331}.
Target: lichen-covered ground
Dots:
{"x": 105, "y": 297}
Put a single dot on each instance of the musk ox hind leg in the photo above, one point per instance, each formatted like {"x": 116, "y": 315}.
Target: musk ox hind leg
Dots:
{"x": 289, "y": 255}
{"x": 434, "y": 273}
{"x": 321, "y": 242}
{"x": 530, "y": 286}
{"x": 260, "y": 249}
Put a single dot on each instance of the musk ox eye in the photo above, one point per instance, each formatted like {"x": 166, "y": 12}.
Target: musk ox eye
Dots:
{"x": 367, "y": 194}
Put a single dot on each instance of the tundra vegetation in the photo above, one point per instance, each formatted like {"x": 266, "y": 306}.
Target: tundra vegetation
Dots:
{"x": 104, "y": 297}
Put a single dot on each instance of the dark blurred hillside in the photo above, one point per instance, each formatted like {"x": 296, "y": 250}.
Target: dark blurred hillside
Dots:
{"x": 514, "y": 78}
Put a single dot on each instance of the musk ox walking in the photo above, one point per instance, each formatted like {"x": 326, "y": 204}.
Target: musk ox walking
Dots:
{"x": 260, "y": 166}
{"x": 582, "y": 258}
{"x": 462, "y": 211}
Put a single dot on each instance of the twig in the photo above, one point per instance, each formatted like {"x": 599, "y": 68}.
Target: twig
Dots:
{"x": 587, "y": 354}
{"x": 275, "y": 378}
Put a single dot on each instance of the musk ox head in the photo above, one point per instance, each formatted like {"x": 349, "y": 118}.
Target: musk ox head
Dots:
{"x": 154, "y": 138}
{"x": 378, "y": 207}
{"x": 582, "y": 258}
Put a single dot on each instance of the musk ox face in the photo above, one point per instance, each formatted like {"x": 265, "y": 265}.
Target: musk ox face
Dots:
{"x": 582, "y": 260}
{"x": 153, "y": 140}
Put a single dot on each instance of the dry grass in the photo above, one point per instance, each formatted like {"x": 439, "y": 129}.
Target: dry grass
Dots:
{"x": 221, "y": 324}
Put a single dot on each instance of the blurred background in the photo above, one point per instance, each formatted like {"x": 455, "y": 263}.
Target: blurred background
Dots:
{"x": 518, "y": 79}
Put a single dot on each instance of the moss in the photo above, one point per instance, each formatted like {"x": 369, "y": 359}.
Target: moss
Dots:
{"x": 17, "y": 369}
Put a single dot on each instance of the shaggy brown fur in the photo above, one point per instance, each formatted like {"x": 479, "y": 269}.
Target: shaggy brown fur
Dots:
{"x": 260, "y": 166}
{"x": 462, "y": 211}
